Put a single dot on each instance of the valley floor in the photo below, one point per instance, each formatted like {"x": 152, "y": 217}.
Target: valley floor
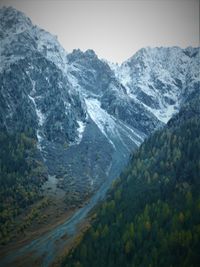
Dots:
{"x": 50, "y": 212}
{"x": 57, "y": 215}
{"x": 44, "y": 250}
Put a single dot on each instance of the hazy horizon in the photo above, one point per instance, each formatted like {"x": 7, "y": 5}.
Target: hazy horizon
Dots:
{"x": 115, "y": 30}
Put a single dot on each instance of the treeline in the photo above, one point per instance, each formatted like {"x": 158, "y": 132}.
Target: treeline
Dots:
{"x": 151, "y": 217}
{"x": 21, "y": 176}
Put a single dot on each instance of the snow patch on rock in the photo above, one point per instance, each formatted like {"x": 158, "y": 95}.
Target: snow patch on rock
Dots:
{"x": 113, "y": 129}
{"x": 80, "y": 130}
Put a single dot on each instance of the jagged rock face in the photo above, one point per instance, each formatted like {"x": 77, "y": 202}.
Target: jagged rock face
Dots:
{"x": 160, "y": 78}
{"x": 129, "y": 111}
{"x": 19, "y": 38}
{"x": 91, "y": 74}
{"x": 38, "y": 97}
{"x": 34, "y": 90}
{"x": 86, "y": 114}
{"x": 13, "y": 21}
{"x": 94, "y": 78}
{"x": 146, "y": 90}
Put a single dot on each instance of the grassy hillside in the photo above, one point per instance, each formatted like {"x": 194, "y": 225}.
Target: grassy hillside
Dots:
{"x": 152, "y": 214}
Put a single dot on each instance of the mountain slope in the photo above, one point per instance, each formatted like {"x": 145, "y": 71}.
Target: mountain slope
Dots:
{"x": 94, "y": 78}
{"x": 38, "y": 92}
{"x": 82, "y": 115}
{"x": 152, "y": 214}
{"x": 21, "y": 177}
{"x": 160, "y": 78}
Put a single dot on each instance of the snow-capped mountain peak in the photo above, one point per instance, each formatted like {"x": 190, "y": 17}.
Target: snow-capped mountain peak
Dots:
{"x": 158, "y": 78}
{"x": 87, "y": 114}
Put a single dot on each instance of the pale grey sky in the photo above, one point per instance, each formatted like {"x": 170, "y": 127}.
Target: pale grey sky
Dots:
{"x": 115, "y": 29}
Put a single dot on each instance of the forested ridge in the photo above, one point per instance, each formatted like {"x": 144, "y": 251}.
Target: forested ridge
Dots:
{"x": 21, "y": 177}
{"x": 151, "y": 217}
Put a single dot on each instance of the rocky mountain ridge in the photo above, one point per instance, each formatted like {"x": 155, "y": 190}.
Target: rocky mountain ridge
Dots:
{"x": 86, "y": 114}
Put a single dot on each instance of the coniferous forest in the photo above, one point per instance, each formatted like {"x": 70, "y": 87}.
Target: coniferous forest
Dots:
{"x": 152, "y": 214}
{"x": 99, "y": 143}
{"x": 21, "y": 177}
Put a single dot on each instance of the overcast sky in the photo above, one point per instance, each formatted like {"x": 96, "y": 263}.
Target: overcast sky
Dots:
{"x": 115, "y": 29}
